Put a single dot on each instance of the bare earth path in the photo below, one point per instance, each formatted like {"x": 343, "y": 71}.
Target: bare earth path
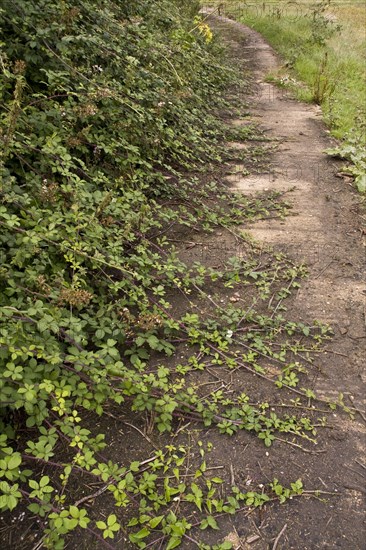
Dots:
{"x": 324, "y": 231}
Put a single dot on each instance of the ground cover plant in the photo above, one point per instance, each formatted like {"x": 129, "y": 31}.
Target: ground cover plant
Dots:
{"x": 109, "y": 112}
{"x": 322, "y": 44}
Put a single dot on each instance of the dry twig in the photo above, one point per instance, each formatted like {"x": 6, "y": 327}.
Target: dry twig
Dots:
{"x": 279, "y": 536}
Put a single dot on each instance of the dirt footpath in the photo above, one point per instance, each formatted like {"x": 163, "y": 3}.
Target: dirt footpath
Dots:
{"x": 323, "y": 230}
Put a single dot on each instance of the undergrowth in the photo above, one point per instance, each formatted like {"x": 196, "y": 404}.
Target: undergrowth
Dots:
{"x": 110, "y": 117}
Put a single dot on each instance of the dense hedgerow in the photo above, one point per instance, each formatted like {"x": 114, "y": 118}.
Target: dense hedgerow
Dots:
{"x": 103, "y": 103}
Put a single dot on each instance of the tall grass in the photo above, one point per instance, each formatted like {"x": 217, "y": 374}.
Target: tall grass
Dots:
{"x": 322, "y": 45}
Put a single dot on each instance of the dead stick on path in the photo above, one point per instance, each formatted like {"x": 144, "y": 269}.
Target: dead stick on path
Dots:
{"x": 232, "y": 478}
{"x": 355, "y": 471}
{"x": 142, "y": 433}
{"x": 324, "y": 269}
{"x": 360, "y": 463}
{"x": 300, "y": 446}
{"x": 335, "y": 352}
{"x": 279, "y": 536}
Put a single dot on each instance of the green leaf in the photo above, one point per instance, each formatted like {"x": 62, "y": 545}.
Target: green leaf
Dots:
{"x": 14, "y": 461}
{"x": 212, "y": 522}
{"x": 153, "y": 341}
{"x": 142, "y": 534}
{"x": 74, "y": 511}
{"x": 11, "y": 502}
{"x": 112, "y": 519}
{"x": 70, "y": 524}
{"x": 134, "y": 466}
{"x": 360, "y": 182}
{"x": 216, "y": 480}
{"x": 44, "y": 481}
{"x": 83, "y": 522}
{"x": 154, "y": 522}
{"x": 173, "y": 543}
{"x": 204, "y": 524}
{"x": 33, "y": 484}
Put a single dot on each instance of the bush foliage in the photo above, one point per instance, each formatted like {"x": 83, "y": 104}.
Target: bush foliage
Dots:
{"x": 104, "y": 105}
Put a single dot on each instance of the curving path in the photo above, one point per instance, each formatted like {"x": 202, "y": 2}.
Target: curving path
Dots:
{"x": 323, "y": 230}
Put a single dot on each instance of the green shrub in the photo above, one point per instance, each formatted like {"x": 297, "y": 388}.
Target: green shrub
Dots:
{"x": 103, "y": 104}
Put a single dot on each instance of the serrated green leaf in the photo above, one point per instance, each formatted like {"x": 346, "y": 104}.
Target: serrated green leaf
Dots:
{"x": 216, "y": 480}
{"x": 134, "y": 466}
{"x": 212, "y": 522}
{"x": 142, "y": 534}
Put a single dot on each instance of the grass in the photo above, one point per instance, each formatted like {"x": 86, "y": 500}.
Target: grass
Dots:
{"x": 323, "y": 46}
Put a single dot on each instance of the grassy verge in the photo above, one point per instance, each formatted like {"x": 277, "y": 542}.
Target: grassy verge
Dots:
{"x": 322, "y": 45}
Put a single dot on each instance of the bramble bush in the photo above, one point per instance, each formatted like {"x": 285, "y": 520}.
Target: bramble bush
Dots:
{"x": 103, "y": 104}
